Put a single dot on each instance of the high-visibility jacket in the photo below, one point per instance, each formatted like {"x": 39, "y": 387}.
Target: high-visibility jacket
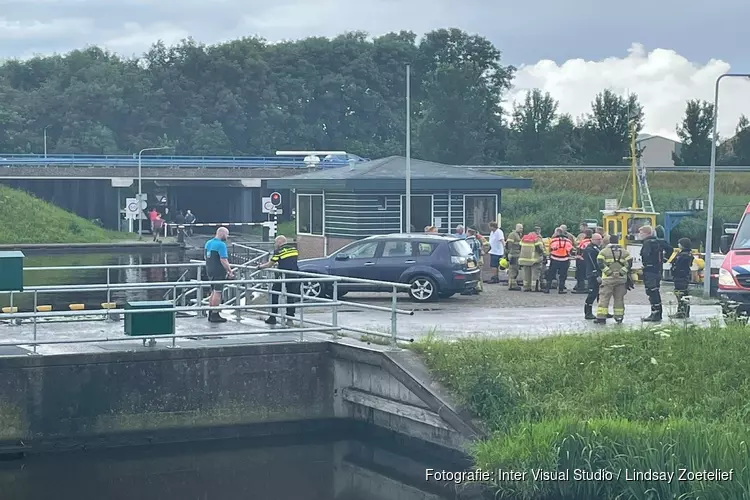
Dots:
{"x": 513, "y": 244}
{"x": 532, "y": 250}
{"x": 614, "y": 262}
{"x": 582, "y": 244}
{"x": 560, "y": 248}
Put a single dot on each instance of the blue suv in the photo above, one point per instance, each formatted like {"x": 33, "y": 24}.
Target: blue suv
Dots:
{"x": 436, "y": 266}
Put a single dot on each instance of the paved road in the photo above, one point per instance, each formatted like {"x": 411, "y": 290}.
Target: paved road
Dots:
{"x": 496, "y": 312}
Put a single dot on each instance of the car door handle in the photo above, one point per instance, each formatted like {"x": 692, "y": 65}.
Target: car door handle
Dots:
{"x": 410, "y": 262}
{"x": 369, "y": 263}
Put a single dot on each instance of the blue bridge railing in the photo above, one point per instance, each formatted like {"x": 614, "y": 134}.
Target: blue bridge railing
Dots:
{"x": 71, "y": 160}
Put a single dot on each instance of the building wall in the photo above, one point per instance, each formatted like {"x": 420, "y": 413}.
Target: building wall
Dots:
{"x": 658, "y": 151}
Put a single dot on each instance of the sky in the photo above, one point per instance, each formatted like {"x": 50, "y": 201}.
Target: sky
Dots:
{"x": 667, "y": 51}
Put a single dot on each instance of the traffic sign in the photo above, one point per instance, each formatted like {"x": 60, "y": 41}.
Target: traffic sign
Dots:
{"x": 268, "y": 207}
{"x": 131, "y": 208}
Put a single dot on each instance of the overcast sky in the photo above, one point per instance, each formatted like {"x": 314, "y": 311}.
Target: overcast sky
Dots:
{"x": 665, "y": 50}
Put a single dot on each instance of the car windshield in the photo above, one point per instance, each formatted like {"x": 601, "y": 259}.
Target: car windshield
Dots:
{"x": 461, "y": 248}
{"x": 742, "y": 238}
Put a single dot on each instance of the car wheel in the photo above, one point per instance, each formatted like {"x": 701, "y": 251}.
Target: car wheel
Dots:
{"x": 423, "y": 289}
{"x": 446, "y": 295}
{"x": 313, "y": 289}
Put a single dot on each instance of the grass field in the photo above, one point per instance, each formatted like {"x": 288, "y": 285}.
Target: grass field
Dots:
{"x": 662, "y": 399}
{"x": 562, "y": 197}
{"x": 26, "y": 219}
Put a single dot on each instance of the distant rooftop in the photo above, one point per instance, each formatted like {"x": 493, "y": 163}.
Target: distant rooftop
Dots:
{"x": 389, "y": 174}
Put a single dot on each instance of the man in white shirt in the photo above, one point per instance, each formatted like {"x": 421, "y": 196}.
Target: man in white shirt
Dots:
{"x": 497, "y": 250}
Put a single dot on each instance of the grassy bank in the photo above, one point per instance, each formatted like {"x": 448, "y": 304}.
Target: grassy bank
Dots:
{"x": 26, "y": 219}
{"x": 569, "y": 197}
{"x": 656, "y": 400}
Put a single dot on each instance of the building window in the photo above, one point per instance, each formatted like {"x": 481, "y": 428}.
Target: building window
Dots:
{"x": 479, "y": 211}
{"x": 310, "y": 214}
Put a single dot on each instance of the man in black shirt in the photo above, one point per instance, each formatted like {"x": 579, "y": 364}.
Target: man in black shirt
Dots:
{"x": 284, "y": 257}
{"x": 681, "y": 271}
{"x": 654, "y": 253}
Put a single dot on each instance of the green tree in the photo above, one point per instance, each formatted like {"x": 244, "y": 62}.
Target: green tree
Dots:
{"x": 695, "y": 134}
{"x": 538, "y": 136}
{"x": 605, "y": 133}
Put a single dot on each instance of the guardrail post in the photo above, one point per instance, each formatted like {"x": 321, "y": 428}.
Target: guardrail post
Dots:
{"x": 284, "y": 297}
{"x": 36, "y": 303}
{"x": 301, "y": 313}
{"x": 199, "y": 294}
{"x": 269, "y": 290}
{"x": 394, "y": 315}
{"x": 237, "y": 298}
{"x": 335, "y": 310}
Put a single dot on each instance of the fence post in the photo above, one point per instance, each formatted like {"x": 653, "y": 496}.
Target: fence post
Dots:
{"x": 237, "y": 298}
{"x": 394, "y": 315}
{"x": 335, "y": 310}
{"x": 301, "y": 312}
{"x": 199, "y": 293}
{"x": 36, "y": 303}
{"x": 283, "y": 297}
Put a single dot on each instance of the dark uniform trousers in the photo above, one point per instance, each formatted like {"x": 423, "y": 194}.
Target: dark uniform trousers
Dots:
{"x": 290, "y": 288}
{"x": 558, "y": 270}
{"x": 593, "y": 294}
{"x": 652, "y": 283}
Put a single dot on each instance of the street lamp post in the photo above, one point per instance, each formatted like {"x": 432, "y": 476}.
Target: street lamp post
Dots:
{"x": 140, "y": 184}
{"x": 712, "y": 180}
{"x": 408, "y": 149}
{"x": 45, "y": 141}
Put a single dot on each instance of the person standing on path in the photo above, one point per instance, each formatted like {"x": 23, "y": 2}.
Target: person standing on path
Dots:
{"x": 284, "y": 257}
{"x": 560, "y": 249}
{"x": 497, "y": 250}
{"x": 475, "y": 242}
{"x": 218, "y": 269}
{"x": 615, "y": 264}
{"x": 681, "y": 274}
{"x": 513, "y": 250}
{"x": 530, "y": 261}
{"x": 654, "y": 252}
{"x": 591, "y": 270}
{"x": 584, "y": 240}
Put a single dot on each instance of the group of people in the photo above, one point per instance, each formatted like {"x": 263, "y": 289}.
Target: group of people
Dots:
{"x": 158, "y": 220}
{"x": 603, "y": 271}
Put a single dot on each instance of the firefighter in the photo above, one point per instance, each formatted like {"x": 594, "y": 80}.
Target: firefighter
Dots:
{"x": 584, "y": 240}
{"x": 591, "y": 269}
{"x": 681, "y": 274}
{"x": 530, "y": 260}
{"x": 654, "y": 251}
{"x": 560, "y": 250}
{"x": 615, "y": 264}
{"x": 513, "y": 251}
{"x": 474, "y": 241}
{"x": 543, "y": 269}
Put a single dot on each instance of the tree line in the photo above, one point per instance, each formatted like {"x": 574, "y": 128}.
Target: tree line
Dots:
{"x": 251, "y": 97}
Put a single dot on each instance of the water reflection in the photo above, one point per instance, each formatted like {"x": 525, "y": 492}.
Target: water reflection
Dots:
{"x": 60, "y": 301}
{"x": 344, "y": 470}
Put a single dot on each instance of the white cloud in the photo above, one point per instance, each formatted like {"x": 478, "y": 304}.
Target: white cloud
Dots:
{"x": 663, "y": 80}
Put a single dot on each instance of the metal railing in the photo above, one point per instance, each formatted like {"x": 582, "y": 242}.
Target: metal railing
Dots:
{"x": 249, "y": 283}
{"x": 128, "y": 161}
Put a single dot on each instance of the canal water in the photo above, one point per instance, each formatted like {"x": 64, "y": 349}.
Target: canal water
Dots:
{"x": 316, "y": 469}
{"x": 93, "y": 299}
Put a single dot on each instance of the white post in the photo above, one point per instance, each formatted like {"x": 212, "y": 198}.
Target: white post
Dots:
{"x": 712, "y": 183}
{"x": 408, "y": 149}
{"x": 45, "y": 141}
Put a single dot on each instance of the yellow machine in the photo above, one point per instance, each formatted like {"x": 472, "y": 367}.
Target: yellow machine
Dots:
{"x": 625, "y": 222}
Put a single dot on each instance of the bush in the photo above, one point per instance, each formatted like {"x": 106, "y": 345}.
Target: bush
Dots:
{"x": 645, "y": 399}
{"x": 562, "y": 197}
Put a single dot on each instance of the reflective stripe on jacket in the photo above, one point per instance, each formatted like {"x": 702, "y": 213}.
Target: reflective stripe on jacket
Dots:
{"x": 560, "y": 248}
{"x": 614, "y": 262}
{"x": 532, "y": 250}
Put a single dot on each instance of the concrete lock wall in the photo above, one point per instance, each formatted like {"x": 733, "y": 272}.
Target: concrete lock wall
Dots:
{"x": 169, "y": 394}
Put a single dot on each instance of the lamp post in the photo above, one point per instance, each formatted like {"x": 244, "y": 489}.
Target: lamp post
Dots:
{"x": 712, "y": 180}
{"x": 45, "y": 141}
{"x": 408, "y": 149}
{"x": 140, "y": 184}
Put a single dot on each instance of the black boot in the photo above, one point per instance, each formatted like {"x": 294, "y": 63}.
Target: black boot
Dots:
{"x": 588, "y": 312}
{"x": 215, "y": 317}
{"x": 655, "y": 315}
{"x": 600, "y": 321}
{"x": 271, "y": 320}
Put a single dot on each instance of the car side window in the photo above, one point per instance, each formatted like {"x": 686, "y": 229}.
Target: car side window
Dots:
{"x": 398, "y": 249}
{"x": 425, "y": 249}
{"x": 364, "y": 251}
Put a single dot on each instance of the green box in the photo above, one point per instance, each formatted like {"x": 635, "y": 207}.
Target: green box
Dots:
{"x": 11, "y": 271}
{"x": 150, "y": 323}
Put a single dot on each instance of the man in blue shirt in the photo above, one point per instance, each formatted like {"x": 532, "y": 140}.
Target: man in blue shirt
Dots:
{"x": 217, "y": 268}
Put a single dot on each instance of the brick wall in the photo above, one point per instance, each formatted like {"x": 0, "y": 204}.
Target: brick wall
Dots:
{"x": 311, "y": 247}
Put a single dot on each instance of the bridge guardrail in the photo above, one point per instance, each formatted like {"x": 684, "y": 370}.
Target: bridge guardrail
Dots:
{"x": 248, "y": 284}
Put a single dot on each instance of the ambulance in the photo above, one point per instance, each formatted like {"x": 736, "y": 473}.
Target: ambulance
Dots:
{"x": 734, "y": 272}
